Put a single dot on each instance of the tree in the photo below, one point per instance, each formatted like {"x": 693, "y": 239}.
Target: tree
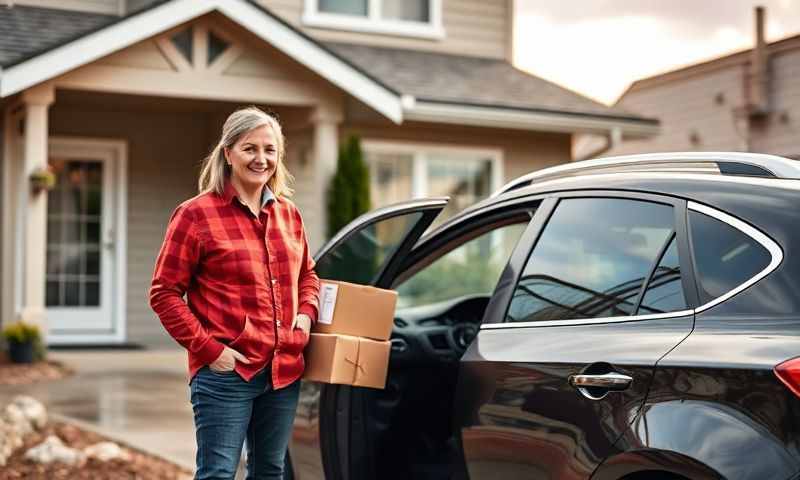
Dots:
{"x": 348, "y": 196}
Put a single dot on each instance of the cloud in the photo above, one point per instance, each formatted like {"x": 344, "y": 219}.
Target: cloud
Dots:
{"x": 601, "y": 47}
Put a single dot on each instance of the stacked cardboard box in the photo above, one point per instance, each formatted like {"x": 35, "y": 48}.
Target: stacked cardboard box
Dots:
{"x": 349, "y": 343}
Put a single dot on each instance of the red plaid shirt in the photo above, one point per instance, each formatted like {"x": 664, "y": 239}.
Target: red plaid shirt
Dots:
{"x": 245, "y": 278}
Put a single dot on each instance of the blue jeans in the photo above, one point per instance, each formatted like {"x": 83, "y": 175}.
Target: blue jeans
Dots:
{"x": 228, "y": 410}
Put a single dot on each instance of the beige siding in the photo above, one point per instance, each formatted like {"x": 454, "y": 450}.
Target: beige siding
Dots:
{"x": 113, "y": 7}
{"x": 522, "y": 151}
{"x": 141, "y": 55}
{"x": 472, "y": 27}
{"x": 164, "y": 150}
{"x": 688, "y": 107}
{"x": 782, "y": 133}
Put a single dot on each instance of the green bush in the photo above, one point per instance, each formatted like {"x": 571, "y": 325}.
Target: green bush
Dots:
{"x": 348, "y": 196}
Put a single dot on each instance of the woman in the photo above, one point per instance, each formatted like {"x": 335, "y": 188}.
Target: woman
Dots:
{"x": 238, "y": 251}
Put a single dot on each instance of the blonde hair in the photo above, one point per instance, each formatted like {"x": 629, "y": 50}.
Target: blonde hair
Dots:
{"x": 215, "y": 170}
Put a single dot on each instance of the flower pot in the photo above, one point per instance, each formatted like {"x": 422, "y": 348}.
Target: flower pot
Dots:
{"x": 21, "y": 352}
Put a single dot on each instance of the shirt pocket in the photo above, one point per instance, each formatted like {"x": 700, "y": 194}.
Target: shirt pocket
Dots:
{"x": 232, "y": 261}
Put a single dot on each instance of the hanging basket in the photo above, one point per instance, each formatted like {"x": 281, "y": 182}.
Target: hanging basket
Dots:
{"x": 42, "y": 179}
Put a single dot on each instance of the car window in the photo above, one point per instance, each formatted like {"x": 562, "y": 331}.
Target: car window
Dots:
{"x": 591, "y": 259}
{"x": 474, "y": 267}
{"x": 664, "y": 290}
{"x": 725, "y": 257}
{"x": 360, "y": 257}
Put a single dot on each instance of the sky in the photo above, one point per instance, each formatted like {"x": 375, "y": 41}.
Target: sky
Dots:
{"x": 598, "y": 47}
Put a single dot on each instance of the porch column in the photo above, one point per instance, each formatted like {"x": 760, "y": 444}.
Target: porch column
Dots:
{"x": 325, "y": 121}
{"x": 36, "y": 102}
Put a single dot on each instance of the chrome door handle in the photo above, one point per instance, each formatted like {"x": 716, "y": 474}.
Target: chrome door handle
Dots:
{"x": 596, "y": 387}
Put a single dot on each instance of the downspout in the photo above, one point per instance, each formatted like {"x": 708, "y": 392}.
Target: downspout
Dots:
{"x": 756, "y": 86}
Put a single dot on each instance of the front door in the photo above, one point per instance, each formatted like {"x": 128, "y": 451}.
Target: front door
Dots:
{"x": 595, "y": 295}
{"x": 82, "y": 243}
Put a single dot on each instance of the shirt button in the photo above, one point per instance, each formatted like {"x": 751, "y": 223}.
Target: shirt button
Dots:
{"x": 278, "y": 322}
{"x": 274, "y": 281}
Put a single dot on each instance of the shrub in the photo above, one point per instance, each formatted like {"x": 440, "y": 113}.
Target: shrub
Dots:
{"x": 21, "y": 332}
{"x": 348, "y": 196}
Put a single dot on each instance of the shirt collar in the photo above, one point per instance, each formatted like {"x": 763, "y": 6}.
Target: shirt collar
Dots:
{"x": 229, "y": 193}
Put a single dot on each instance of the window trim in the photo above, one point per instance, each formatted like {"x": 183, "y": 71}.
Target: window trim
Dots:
{"x": 775, "y": 251}
{"x": 373, "y": 23}
{"x": 420, "y": 154}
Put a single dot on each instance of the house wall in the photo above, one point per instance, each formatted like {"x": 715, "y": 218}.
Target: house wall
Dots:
{"x": 472, "y": 27}
{"x": 781, "y": 133}
{"x": 522, "y": 151}
{"x": 688, "y": 107}
{"x": 164, "y": 150}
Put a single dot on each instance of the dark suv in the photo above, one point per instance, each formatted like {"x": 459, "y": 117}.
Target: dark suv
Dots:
{"x": 624, "y": 318}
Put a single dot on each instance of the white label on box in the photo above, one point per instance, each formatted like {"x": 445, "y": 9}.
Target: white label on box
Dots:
{"x": 327, "y": 302}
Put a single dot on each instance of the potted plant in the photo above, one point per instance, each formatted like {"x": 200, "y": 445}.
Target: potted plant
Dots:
{"x": 42, "y": 179}
{"x": 24, "y": 342}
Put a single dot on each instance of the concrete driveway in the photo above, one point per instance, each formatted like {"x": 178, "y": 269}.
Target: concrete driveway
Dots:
{"x": 140, "y": 397}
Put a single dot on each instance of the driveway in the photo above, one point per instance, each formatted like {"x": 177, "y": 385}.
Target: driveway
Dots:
{"x": 137, "y": 396}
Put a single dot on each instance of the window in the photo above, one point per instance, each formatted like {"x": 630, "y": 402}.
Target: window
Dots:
{"x": 360, "y": 257}
{"x": 725, "y": 257}
{"x": 591, "y": 260}
{"x": 418, "y": 18}
{"x": 399, "y": 172}
{"x": 473, "y": 267}
{"x": 664, "y": 290}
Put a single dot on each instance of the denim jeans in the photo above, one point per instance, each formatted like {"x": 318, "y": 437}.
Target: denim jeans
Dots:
{"x": 228, "y": 410}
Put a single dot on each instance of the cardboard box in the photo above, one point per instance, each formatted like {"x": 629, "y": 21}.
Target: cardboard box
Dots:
{"x": 357, "y": 310}
{"x": 347, "y": 360}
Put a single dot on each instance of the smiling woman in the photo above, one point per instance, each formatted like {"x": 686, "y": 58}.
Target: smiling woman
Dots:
{"x": 238, "y": 251}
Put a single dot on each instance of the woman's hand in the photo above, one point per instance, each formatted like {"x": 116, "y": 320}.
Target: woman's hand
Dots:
{"x": 227, "y": 360}
{"x": 303, "y": 322}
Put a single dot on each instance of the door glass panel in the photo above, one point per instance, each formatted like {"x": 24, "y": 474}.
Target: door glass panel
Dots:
{"x": 74, "y": 209}
{"x": 664, "y": 292}
{"x": 472, "y": 268}
{"x": 362, "y": 255}
{"x": 725, "y": 256}
{"x": 591, "y": 259}
{"x": 408, "y": 10}
{"x": 345, "y": 7}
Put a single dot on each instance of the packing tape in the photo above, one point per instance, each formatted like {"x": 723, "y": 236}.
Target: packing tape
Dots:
{"x": 356, "y": 363}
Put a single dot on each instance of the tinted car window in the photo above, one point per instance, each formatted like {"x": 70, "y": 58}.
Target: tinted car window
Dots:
{"x": 664, "y": 291}
{"x": 360, "y": 257}
{"x": 725, "y": 257}
{"x": 591, "y": 259}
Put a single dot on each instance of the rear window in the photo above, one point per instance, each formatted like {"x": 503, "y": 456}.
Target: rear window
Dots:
{"x": 725, "y": 256}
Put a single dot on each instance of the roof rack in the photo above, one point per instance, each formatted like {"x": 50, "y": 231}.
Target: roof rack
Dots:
{"x": 717, "y": 163}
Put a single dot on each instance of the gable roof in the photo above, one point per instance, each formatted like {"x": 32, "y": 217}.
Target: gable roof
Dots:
{"x": 100, "y": 39}
{"x": 37, "y": 44}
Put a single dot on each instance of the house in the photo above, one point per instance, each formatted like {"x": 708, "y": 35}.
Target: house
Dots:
{"x": 123, "y": 98}
{"x": 747, "y": 101}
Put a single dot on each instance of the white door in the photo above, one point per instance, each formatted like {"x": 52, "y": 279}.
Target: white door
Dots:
{"x": 83, "y": 242}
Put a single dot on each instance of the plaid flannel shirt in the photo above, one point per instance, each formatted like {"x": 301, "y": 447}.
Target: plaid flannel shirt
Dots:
{"x": 245, "y": 278}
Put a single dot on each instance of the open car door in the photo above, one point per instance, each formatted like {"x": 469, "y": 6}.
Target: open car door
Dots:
{"x": 367, "y": 251}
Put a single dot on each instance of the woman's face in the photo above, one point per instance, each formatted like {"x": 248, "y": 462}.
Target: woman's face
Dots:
{"x": 254, "y": 158}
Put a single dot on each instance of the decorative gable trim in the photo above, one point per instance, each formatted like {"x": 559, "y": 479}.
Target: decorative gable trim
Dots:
{"x": 154, "y": 21}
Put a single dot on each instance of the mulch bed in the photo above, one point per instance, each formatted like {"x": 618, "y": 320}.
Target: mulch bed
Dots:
{"x": 25, "y": 373}
{"x": 140, "y": 466}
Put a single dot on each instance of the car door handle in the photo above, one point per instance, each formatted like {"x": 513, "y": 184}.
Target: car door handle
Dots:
{"x": 608, "y": 381}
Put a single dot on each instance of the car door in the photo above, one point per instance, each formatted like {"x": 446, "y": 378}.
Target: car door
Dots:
{"x": 366, "y": 251}
{"x": 593, "y": 296}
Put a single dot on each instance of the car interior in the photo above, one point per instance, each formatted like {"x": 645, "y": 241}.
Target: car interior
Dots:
{"x": 442, "y": 295}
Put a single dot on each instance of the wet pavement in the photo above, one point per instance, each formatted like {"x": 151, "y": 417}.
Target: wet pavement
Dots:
{"x": 140, "y": 397}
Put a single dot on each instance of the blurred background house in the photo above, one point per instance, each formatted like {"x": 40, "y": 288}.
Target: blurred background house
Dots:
{"x": 122, "y": 99}
{"x": 747, "y": 101}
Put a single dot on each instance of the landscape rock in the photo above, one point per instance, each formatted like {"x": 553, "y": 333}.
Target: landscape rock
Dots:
{"x": 54, "y": 450}
{"x": 105, "y": 451}
{"x": 14, "y": 415}
{"x": 33, "y": 410}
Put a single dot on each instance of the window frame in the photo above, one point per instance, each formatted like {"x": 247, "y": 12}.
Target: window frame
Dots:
{"x": 373, "y": 23}
{"x": 421, "y": 154}
{"x": 496, "y": 313}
